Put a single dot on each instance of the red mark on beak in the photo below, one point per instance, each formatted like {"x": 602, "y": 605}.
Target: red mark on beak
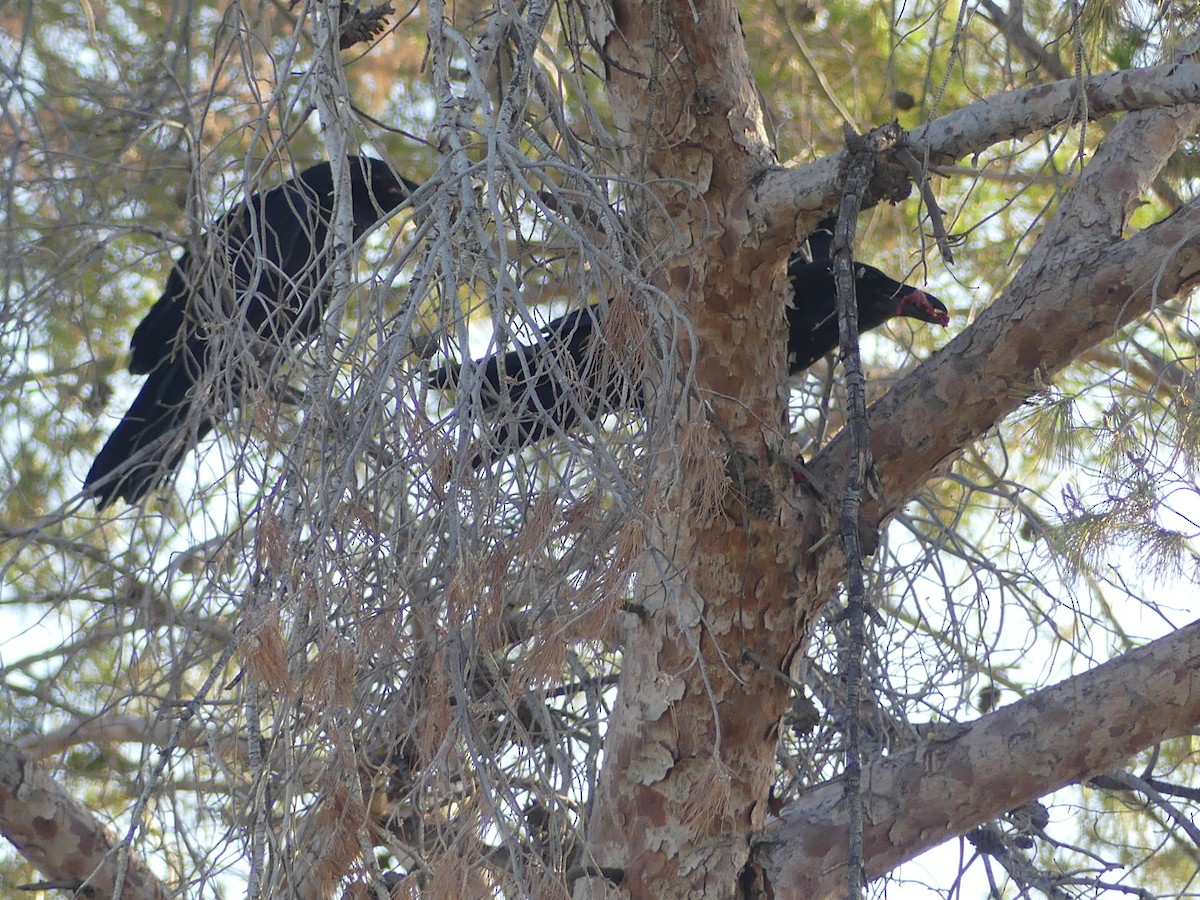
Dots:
{"x": 917, "y": 304}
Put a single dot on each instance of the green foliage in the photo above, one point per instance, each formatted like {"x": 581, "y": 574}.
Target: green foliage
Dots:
{"x": 299, "y": 642}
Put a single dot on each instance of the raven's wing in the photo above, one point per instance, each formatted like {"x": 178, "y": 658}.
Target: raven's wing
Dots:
{"x": 522, "y": 393}
{"x": 157, "y": 337}
{"x": 821, "y": 238}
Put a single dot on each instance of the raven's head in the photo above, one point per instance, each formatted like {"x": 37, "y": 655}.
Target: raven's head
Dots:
{"x": 377, "y": 190}
{"x": 812, "y": 318}
{"x": 881, "y": 298}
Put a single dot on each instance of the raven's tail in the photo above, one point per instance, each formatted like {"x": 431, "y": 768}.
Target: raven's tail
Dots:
{"x": 148, "y": 444}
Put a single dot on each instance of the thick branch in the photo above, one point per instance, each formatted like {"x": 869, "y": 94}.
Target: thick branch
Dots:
{"x": 785, "y": 195}
{"x": 63, "y": 839}
{"x": 935, "y": 790}
{"x": 1034, "y": 330}
{"x": 1079, "y": 286}
{"x": 990, "y": 369}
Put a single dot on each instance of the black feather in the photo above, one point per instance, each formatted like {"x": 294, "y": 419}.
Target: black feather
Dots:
{"x": 528, "y": 400}
{"x": 269, "y": 255}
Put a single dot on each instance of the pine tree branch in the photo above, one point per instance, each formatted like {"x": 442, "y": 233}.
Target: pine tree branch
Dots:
{"x": 924, "y": 794}
{"x": 813, "y": 189}
{"x": 62, "y": 838}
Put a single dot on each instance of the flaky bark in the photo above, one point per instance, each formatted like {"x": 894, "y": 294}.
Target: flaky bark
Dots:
{"x": 923, "y": 795}
{"x": 799, "y": 197}
{"x": 62, "y": 838}
{"x": 1081, "y": 284}
{"x": 683, "y": 784}
{"x": 690, "y": 749}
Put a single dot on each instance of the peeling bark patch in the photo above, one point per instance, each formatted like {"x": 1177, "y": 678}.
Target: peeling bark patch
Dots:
{"x": 650, "y": 810}
{"x": 668, "y": 690}
{"x": 731, "y": 242}
{"x": 1029, "y": 345}
{"x": 651, "y": 764}
{"x": 1116, "y": 289}
{"x": 45, "y": 829}
{"x": 744, "y": 128}
{"x": 701, "y": 166}
{"x": 600, "y": 16}
{"x": 1122, "y": 181}
{"x": 681, "y": 278}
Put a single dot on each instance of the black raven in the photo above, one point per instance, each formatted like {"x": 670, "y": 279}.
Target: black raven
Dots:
{"x": 530, "y": 399}
{"x": 539, "y": 403}
{"x": 813, "y": 320}
{"x": 266, "y": 272}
